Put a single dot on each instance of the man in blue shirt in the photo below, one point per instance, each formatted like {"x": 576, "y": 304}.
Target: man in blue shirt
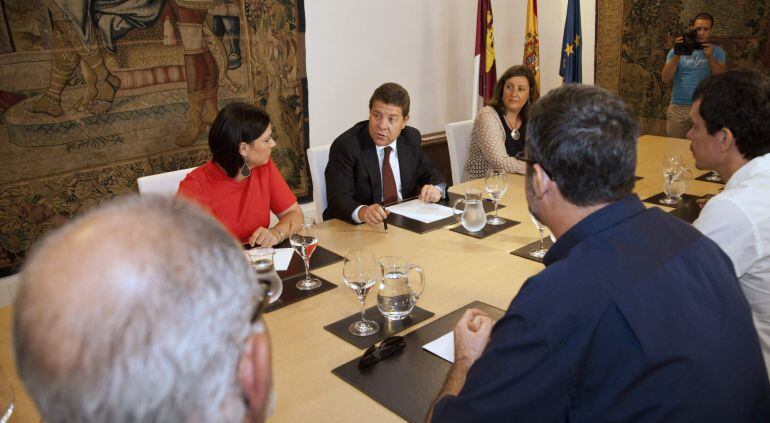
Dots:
{"x": 637, "y": 316}
{"x": 685, "y": 72}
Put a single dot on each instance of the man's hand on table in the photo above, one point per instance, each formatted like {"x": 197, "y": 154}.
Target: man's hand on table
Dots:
{"x": 471, "y": 337}
{"x": 373, "y": 214}
{"x": 264, "y": 237}
{"x": 430, "y": 194}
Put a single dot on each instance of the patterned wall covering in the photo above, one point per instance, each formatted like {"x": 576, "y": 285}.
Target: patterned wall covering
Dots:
{"x": 634, "y": 36}
{"x": 91, "y": 101}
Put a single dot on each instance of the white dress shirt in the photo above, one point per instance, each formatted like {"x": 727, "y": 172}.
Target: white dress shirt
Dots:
{"x": 738, "y": 220}
{"x": 393, "y": 166}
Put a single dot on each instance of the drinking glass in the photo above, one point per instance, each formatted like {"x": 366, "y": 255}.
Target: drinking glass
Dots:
{"x": 304, "y": 241}
{"x": 360, "y": 272}
{"x": 540, "y": 251}
{"x": 496, "y": 183}
{"x": 676, "y": 185}
{"x": 673, "y": 165}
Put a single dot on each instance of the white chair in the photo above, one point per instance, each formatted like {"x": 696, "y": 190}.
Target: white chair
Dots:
{"x": 458, "y": 139}
{"x": 162, "y": 183}
{"x": 317, "y": 158}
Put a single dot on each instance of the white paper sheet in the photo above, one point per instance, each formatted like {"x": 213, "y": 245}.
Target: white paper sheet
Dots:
{"x": 419, "y": 210}
{"x": 443, "y": 347}
{"x": 282, "y": 258}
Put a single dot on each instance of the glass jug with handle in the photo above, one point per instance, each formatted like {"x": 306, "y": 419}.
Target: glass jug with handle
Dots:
{"x": 396, "y": 298}
{"x": 473, "y": 216}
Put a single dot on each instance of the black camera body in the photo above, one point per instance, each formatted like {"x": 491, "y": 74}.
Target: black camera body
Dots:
{"x": 688, "y": 45}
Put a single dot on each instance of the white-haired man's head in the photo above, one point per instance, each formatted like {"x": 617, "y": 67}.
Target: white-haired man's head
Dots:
{"x": 140, "y": 311}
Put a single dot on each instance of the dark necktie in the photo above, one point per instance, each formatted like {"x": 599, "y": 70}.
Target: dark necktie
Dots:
{"x": 389, "y": 193}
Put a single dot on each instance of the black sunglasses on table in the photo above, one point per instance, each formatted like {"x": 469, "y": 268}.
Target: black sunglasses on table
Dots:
{"x": 387, "y": 348}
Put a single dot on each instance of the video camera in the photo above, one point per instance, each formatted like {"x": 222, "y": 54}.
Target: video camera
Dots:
{"x": 688, "y": 45}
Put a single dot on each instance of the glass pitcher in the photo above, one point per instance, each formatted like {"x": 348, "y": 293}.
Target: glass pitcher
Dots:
{"x": 474, "y": 218}
{"x": 396, "y": 298}
{"x": 261, "y": 260}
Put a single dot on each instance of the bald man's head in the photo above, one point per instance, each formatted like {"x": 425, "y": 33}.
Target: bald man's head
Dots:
{"x": 125, "y": 311}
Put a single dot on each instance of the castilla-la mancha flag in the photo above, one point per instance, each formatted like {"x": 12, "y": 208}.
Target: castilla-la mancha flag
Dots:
{"x": 484, "y": 60}
{"x": 532, "y": 42}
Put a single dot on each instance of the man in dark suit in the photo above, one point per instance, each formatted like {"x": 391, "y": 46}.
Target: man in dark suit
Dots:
{"x": 379, "y": 162}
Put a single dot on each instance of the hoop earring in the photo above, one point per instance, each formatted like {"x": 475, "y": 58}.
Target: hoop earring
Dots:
{"x": 245, "y": 171}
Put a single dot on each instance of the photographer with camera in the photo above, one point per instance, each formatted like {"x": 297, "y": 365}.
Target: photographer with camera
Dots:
{"x": 692, "y": 60}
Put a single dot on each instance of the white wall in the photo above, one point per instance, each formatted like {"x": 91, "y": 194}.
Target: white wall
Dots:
{"x": 425, "y": 45}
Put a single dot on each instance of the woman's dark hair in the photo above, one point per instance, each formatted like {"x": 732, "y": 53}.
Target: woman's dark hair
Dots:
{"x": 235, "y": 123}
{"x": 497, "y": 96}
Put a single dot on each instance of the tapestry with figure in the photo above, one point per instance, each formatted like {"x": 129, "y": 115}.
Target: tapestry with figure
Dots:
{"x": 633, "y": 38}
{"x": 96, "y": 93}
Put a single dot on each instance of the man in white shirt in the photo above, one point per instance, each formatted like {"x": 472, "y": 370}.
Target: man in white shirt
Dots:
{"x": 379, "y": 161}
{"x": 731, "y": 134}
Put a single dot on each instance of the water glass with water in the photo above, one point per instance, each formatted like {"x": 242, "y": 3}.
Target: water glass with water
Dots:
{"x": 496, "y": 184}
{"x": 674, "y": 186}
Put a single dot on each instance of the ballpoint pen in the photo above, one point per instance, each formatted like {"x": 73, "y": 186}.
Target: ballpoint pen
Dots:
{"x": 384, "y": 221}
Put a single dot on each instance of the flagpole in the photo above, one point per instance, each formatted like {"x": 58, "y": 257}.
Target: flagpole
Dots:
{"x": 475, "y": 101}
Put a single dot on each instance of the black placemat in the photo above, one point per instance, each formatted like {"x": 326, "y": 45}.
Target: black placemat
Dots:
{"x": 703, "y": 178}
{"x": 687, "y": 209}
{"x": 291, "y": 294}
{"x": 321, "y": 257}
{"x": 416, "y": 226}
{"x": 387, "y": 328}
{"x": 655, "y": 199}
{"x": 523, "y": 252}
{"x": 408, "y": 382}
{"x": 487, "y": 230}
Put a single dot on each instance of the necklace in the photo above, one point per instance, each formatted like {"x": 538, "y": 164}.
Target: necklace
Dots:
{"x": 515, "y": 134}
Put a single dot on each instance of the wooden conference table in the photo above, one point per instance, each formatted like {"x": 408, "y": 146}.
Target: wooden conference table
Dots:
{"x": 459, "y": 269}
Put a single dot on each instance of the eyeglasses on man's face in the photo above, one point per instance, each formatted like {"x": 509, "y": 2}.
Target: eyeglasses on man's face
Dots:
{"x": 259, "y": 307}
{"x": 521, "y": 155}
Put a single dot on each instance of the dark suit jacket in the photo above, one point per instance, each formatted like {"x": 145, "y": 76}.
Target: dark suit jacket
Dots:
{"x": 353, "y": 172}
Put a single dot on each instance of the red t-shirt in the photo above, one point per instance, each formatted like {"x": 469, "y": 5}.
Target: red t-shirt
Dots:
{"x": 241, "y": 206}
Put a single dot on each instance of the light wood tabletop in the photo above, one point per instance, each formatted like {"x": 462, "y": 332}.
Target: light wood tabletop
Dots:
{"x": 458, "y": 269}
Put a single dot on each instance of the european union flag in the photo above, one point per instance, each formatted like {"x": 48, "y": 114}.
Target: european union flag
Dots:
{"x": 572, "y": 45}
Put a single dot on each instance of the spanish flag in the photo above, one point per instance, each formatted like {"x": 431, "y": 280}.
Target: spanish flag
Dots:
{"x": 532, "y": 42}
{"x": 484, "y": 60}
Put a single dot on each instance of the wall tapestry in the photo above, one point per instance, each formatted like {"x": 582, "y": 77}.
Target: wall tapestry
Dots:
{"x": 633, "y": 38}
{"x": 96, "y": 93}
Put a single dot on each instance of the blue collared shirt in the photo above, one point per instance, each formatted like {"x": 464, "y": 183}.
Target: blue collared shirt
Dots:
{"x": 637, "y": 316}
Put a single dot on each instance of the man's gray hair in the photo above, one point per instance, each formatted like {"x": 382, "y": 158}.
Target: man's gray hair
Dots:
{"x": 136, "y": 311}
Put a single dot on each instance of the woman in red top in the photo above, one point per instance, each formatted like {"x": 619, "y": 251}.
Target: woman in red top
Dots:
{"x": 241, "y": 185}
